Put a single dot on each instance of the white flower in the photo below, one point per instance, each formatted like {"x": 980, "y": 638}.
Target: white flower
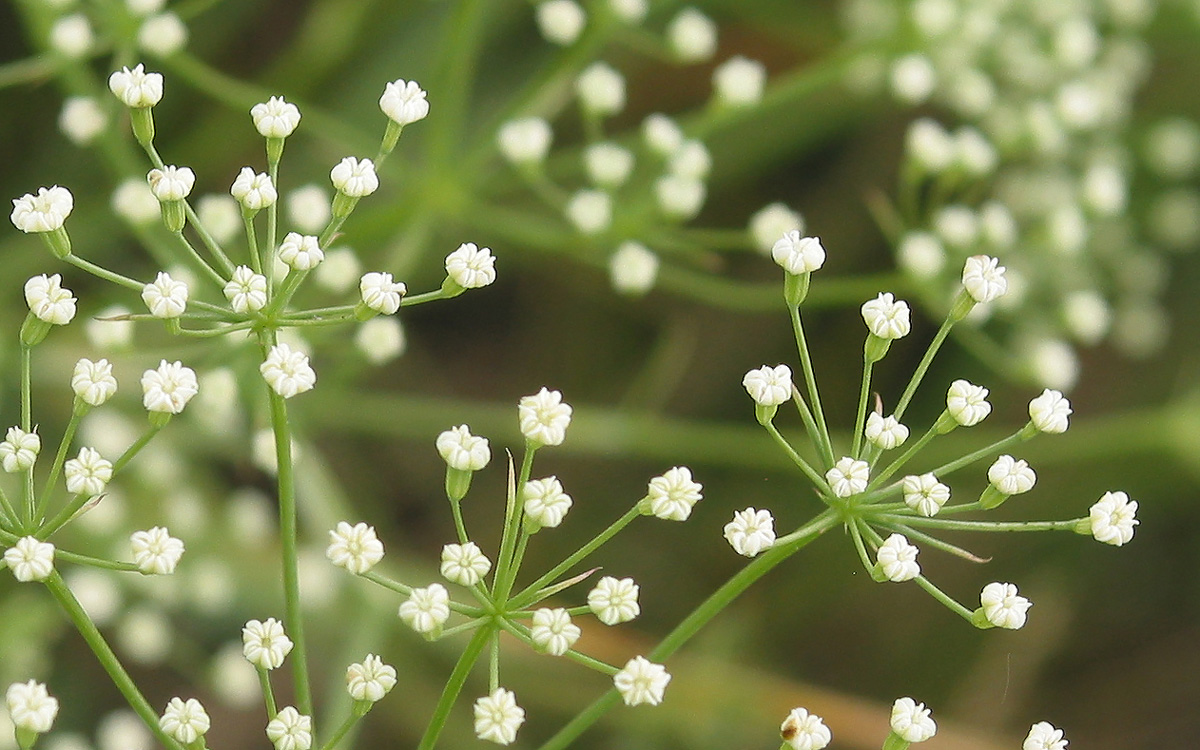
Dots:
{"x": 185, "y": 722}
{"x": 44, "y": 212}
{"x": 614, "y": 601}
{"x": 93, "y": 382}
{"x": 71, "y": 36}
{"x": 525, "y": 141}
{"x": 220, "y": 214}
{"x": 168, "y": 388}
{"x": 925, "y": 494}
{"x": 163, "y": 34}
{"x": 805, "y": 731}
{"x": 355, "y": 548}
{"x": 1112, "y": 518}
{"x": 264, "y": 644}
{"x": 560, "y": 21}
{"x": 275, "y": 118}
{"x": 641, "y": 681}
{"x": 771, "y": 222}
{"x": 404, "y": 102}
{"x": 911, "y": 721}
{"x": 929, "y": 145}
{"x": 679, "y": 196}
{"x": 30, "y": 559}
{"x": 608, "y": 164}
{"x": 48, "y": 300}
{"x": 136, "y": 88}
{"x": 886, "y": 317}
{"x": 544, "y": 417}
{"x": 885, "y": 433}
{"x": 426, "y": 609}
{"x": 1049, "y": 412}
{"x": 171, "y": 183}
{"x": 133, "y": 201}
{"x": 798, "y": 255}
{"x": 590, "y": 211}
{"x": 470, "y": 266}
{"x": 246, "y": 290}
{"x": 308, "y": 208}
{"x": 751, "y": 531}
{"x": 662, "y": 134}
{"x": 673, "y": 494}
{"x": 463, "y": 451}
{"x": 897, "y": 559}
{"x": 553, "y": 632}
{"x": 31, "y": 706}
{"x": 739, "y": 81}
{"x": 354, "y": 178}
{"x": 82, "y": 119}
{"x": 88, "y": 473}
{"x": 290, "y": 730}
{"x": 1043, "y": 736}
{"x": 690, "y": 159}
{"x": 692, "y": 36}
{"x": 848, "y": 477}
{"x": 545, "y": 502}
{"x": 165, "y": 297}
{"x": 19, "y": 450}
{"x": 287, "y": 372}
{"x": 1011, "y": 476}
{"x": 464, "y": 564}
{"x": 983, "y": 278}
{"x": 769, "y": 386}
{"x": 633, "y": 268}
{"x": 156, "y": 552}
{"x": 1002, "y": 606}
{"x": 601, "y": 89}
{"x": 967, "y": 403}
{"x": 629, "y": 11}
{"x": 370, "y": 679}
{"x": 253, "y": 191}
{"x": 913, "y": 78}
{"x": 301, "y": 252}
{"x": 380, "y": 293}
{"x": 498, "y": 717}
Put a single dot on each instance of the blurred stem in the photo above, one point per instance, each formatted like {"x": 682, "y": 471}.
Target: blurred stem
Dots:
{"x": 11, "y": 519}
{"x": 454, "y": 685}
{"x": 95, "y": 562}
{"x": 463, "y": 34}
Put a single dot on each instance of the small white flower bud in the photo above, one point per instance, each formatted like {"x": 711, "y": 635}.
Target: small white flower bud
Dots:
{"x": 470, "y": 266}
{"x": 1050, "y": 412}
{"x": 1011, "y": 476}
{"x": 910, "y": 721}
{"x": 629, "y": 11}
{"x": 404, "y": 102}
{"x": 275, "y": 118}
{"x": 356, "y": 548}
{"x": 690, "y": 159}
{"x": 884, "y": 433}
{"x": 848, "y": 477}
{"x": 339, "y": 271}
{"x": 1112, "y": 518}
{"x": 967, "y": 403}
{"x": 136, "y": 88}
{"x": 49, "y": 301}
{"x": 463, "y": 451}
{"x": 163, "y": 34}
{"x": 545, "y": 503}
{"x": 380, "y": 293}
{"x": 380, "y": 340}
{"x": 661, "y": 134}
{"x": 246, "y": 290}
{"x": 921, "y": 255}
{"x": 913, "y": 78}
{"x": 957, "y": 226}
{"x": 544, "y": 417}
{"x": 805, "y": 731}
{"x": 601, "y": 89}
{"x": 525, "y": 141}
{"x": 614, "y": 601}
{"x": 71, "y": 36}
{"x": 31, "y": 707}
{"x": 896, "y": 559}
{"x": 929, "y": 145}
{"x": 679, "y": 196}
{"x": 133, "y": 201}
{"x": 633, "y": 268}
{"x": 769, "y": 386}
{"x": 608, "y": 165}
{"x": 1044, "y": 736}
{"x": 185, "y": 722}
{"x": 560, "y": 21}
{"x": 751, "y": 531}
{"x": 1002, "y": 607}
{"x": 464, "y": 564}
{"x": 427, "y": 609}
{"x": 974, "y": 152}
{"x": 771, "y": 222}
{"x": 288, "y": 372}
{"x": 93, "y": 382}
{"x": 168, "y": 388}
{"x": 165, "y": 297}
{"x": 692, "y": 36}
{"x": 290, "y": 730}
{"x": 354, "y": 178}
{"x": 88, "y": 473}
{"x": 553, "y": 632}
{"x": 171, "y": 183}
{"x": 30, "y": 559}
{"x": 590, "y": 211}
{"x": 221, "y": 215}
{"x": 370, "y": 679}
{"x": 887, "y": 317}
{"x": 254, "y": 191}
{"x": 925, "y": 494}
{"x": 155, "y": 551}
{"x": 19, "y": 450}
{"x": 82, "y": 119}
{"x": 264, "y": 644}
{"x": 641, "y": 681}
{"x": 672, "y": 495}
{"x": 739, "y": 81}
{"x": 301, "y": 252}
{"x": 308, "y": 208}
{"x": 798, "y": 255}
{"x": 498, "y": 717}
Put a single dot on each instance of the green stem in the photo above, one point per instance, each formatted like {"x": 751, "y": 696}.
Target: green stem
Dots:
{"x": 944, "y": 598}
{"x": 454, "y": 686}
{"x": 856, "y": 535}
{"x": 947, "y": 523}
{"x": 104, "y": 273}
{"x": 861, "y": 416}
{"x": 922, "y": 368}
{"x": 810, "y": 381}
{"x": 94, "y": 562}
{"x": 459, "y": 525}
{"x": 55, "y": 468}
{"x": 26, "y": 419}
{"x": 521, "y": 632}
{"x": 11, "y": 519}
{"x": 403, "y": 590}
{"x": 417, "y": 299}
{"x": 501, "y": 585}
{"x": 209, "y": 241}
{"x": 901, "y": 460}
{"x": 809, "y": 471}
{"x": 346, "y": 726}
{"x": 200, "y": 261}
{"x": 974, "y": 456}
{"x": 264, "y": 681}
{"x": 256, "y": 260}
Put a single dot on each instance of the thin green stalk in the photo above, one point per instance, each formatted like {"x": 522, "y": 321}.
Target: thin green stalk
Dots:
{"x": 330, "y": 231}
{"x": 501, "y": 585}
{"x": 264, "y": 681}
{"x": 809, "y": 471}
{"x": 273, "y": 173}
{"x": 11, "y": 518}
{"x": 518, "y": 556}
{"x": 901, "y": 460}
{"x": 142, "y": 441}
{"x": 494, "y": 662}
{"x": 923, "y": 367}
{"x": 462, "y": 627}
{"x": 522, "y": 633}
{"x": 454, "y": 685}
{"x": 810, "y": 380}
{"x": 209, "y": 241}
{"x": 346, "y": 726}
{"x": 200, "y": 261}
{"x": 104, "y": 273}
{"x": 94, "y": 562}
{"x": 459, "y": 525}
{"x": 947, "y": 523}
{"x": 856, "y": 534}
{"x": 931, "y": 541}
{"x": 403, "y": 590}
{"x": 861, "y": 416}
{"x": 256, "y": 260}
{"x": 944, "y": 598}
{"x": 212, "y": 333}
{"x": 55, "y": 468}
{"x": 417, "y": 299}
{"x": 972, "y": 457}
{"x": 810, "y": 425}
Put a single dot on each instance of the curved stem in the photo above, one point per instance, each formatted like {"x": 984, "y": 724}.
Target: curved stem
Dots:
{"x": 861, "y": 415}
{"x": 454, "y": 685}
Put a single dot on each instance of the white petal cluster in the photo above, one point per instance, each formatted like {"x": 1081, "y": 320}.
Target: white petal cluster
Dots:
{"x": 911, "y": 721}
{"x": 290, "y": 730}
{"x": 184, "y": 721}
{"x": 544, "y": 417}
{"x": 560, "y": 21}
{"x": 739, "y": 81}
{"x": 155, "y": 551}
{"x": 897, "y": 559}
{"x": 614, "y": 601}
{"x": 463, "y": 451}
{"x": 924, "y": 493}
{"x": 302, "y": 252}
{"x": 254, "y": 191}
{"x": 601, "y": 89}
{"x": 264, "y": 644}
{"x": 633, "y": 268}
{"x": 1050, "y": 412}
{"x": 1011, "y": 476}
{"x": 751, "y": 531}
{"x": 983, "y": 278}
{"x": 380, "y": 293}
{"x": 673, "y": 494}
{"x": 692, "y": 36}
{"x": 220, "y": 214}
{"x": 356, "y": 548}
{"x": 246, "y": 290}
{"x": 662, "y": 134}
{"x": 165, "y": 297}
{"x": 769, "y": 386}
{"x": 44, "y": 212}
{"x": 275, "y": 118}
{"x": 771, "y": 222}
{"x": 426, "y": 609}
{"x": 288, "y": 372}
{"x": 967, "y": 403}
{"x": 1112, "y": 518}
{"x": 169, "y": 387}
{"x": 308, "y": 208}
{"x": 553, "y": 632}
{"x": 1044, "y": 736}
{"x": 912, "y": 78}
{"x": 464, "y": 564}
{"x": 848, "y": 477}
{"x": 805, "y": 731}
{"x": 136, "y": 88}
{"x": 370, "y": 679}
{"x": 641, "y": 681}
{"x": 887, "y": 317}
{"x": 49, "y": 301}
{"x": 629, "y": 11}
{"x": 88, "y": 473}
{"x": 31, "y": 706}
{"x": 30, "y": 559}
{"x": 470, "y": 266}
{"x": 498, "y": 717}
{"x": 19, "y": 450}
{"x": 525, "y": 141}
{"x": 404, "y": 102}
{"x": 798, "y": 255}
{"x": 680, "y": 196}
{"x": 690, "y": 159}
{"x": 590, "y": 211}
{"x": 883, "y": 432}
{"x": 93, "y": 382}
{"x": 355, "y": 178}
{"x": 608, "y": 164}
{"x": 1003, "y": 607}
{"x": 162, "y": 34}
{"x": 171, "y": 183}
{"x": 545, "y": 502}
{"x": 71, "y": 36}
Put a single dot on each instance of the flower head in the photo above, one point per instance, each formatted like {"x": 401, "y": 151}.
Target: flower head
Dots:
{"x": 290, "y": 730}
{"x": 93, "y": 382}
{"x": 165, "y": 297}
{"x": 254, "y": 191}
{"x": 156, "y": 552}
{"x": 614, "y": 601}
{"x": 798, "y": 255}
{"x": 967, "y": 403}
{"x": 1049, "y": 412}
{"x": 887, "y": 317}
{"x": 925, "y": 494}
{"x": 301, "y": 252}
{"x": 246, "y": 290}
{"x": 546, "y": 504}
{"x": 287, "y": 372}
{"x": 19, "y": 449}
{"x": 464, "y": 564}
{"x": 897, "y": 559}
{"x": 590, "y": 211}
{"x": 49, "y": 301}
{"x": 136, "y": 88}
{"x": 71, "y": 36}
{"x": 560, "y": 21}
{"x": 769, "y": 386}
{"x": 525, "y": 141}
{"x": 470, "y": 266}
{"x": 544, "y": 417}
{"x": 608, "y": 164}
{"x": 983, "y": 278}
{"x": 82, "y": 119}
{"x": 739, "y": 81}
{"x": 1003, "y": 607}
{"x": 751, "y": 531}
{"x": 692, "y": 36}
{"x": 264, "y": 644}
{"x": 380, "y": 293}
{"x": 88, "y": 473}
{"x": 1112, "y": 518}
{"x": 883, "y": 432}
{"x": 911, "y": 721}
{"x": 31, "y": 706}
{"x": 404, "y": 102}
{"x": 44, "y": 212}
{"x": 848, "y": 477}
{"x": 184, "y": 721}
{"x": 498, "y": 717}
{"x": 601, "y": 89}
{"x": 672, "y": 495}
{"x": 355, "y": 178}
{"x": 162, "y": 34}
{"x": 370, "y": 679}
{"x": 168, "y": 388}
{"x": 553, "y": 632}
{"x": 641, "y": 681}
{"x": 633, "y": 268}
{"x": 171, "y": 183}
{"x": 275, "y": 118}
{"x": 805, "y": 731}
{"x": 1043, "y": 736}
{"x": 662, "y": 134}
{"x": 463, "y": 451}
{"x": 1011, "y": 476}
{"x": 679, "y": 196}
{"x": 427, "y": 609}
{"x": 355, "y": 548}
{"x": 30, "y": 559}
